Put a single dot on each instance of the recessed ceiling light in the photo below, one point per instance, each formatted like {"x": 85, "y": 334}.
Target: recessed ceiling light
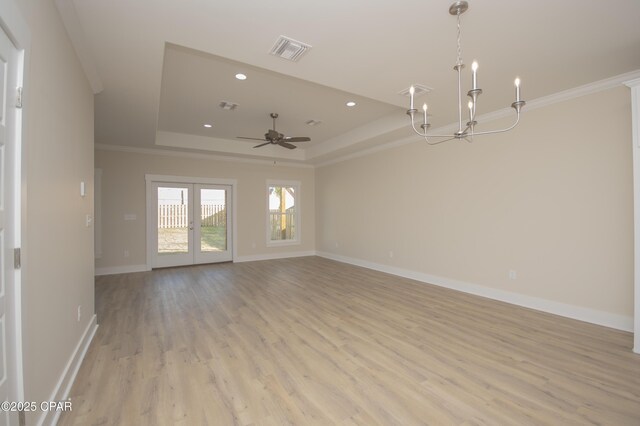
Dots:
{"x": 351, "y": 104}
{"x": 207, "y": 125}
{"x": 241, "y": 76}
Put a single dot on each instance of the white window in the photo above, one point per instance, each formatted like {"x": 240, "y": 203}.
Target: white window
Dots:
{"x": 283, "y": 213}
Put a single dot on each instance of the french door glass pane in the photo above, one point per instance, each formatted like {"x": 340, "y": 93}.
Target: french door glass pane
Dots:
{"x": 173, "y": 220}
{"x": 213, "y": 220}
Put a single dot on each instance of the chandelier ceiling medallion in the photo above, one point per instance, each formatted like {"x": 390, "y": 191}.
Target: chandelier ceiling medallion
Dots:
{"x": 465, "y": 131}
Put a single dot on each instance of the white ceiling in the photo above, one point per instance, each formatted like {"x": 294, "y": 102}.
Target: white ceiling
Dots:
{"x": 194, "y": 84}
{"x": 160, "y": 67}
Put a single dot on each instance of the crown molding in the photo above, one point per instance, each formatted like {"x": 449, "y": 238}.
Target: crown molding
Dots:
{"x": 630, "y": 79}
{"x": 584, "y": 90}
{"x": 226, "y": 146}
{"x": 381, "y": 126}
{"x": 632, "y": 83}
{"x": 213, "y": 157}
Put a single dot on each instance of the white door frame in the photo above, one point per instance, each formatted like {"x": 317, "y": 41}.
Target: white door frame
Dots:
{"x": 635, "y": 123}
{"x": 152, "y": 210}
{"x": 16, "y": 28}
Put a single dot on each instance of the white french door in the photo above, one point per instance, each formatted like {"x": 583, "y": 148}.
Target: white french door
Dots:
{"x": 192, "y": 223}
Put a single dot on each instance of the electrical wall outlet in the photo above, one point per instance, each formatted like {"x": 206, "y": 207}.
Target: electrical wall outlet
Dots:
{"x": 126, "y": 253}
{"x": 391, "y": 254}
{"x": 512, "y": 274}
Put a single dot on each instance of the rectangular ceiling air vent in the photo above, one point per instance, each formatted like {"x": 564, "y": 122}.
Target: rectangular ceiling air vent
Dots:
{"x": 228, "y": 106}
{"x": 313, "y": 122}
{"x": 419, "y": 90}
{"x": 289, "y": 49}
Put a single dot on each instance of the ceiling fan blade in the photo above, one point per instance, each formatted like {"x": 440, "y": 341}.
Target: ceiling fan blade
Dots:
{"x": 287, "y": 145}
{"x": 262, "y": 144}
{"x": 250, "y": 139}
{"x": 275, "y": 138}
{"x": 300, "y": 139}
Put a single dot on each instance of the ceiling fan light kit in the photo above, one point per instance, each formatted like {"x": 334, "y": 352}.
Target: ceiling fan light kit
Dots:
{"x": 272, "y": 137}
{"x": 465, "y": 131}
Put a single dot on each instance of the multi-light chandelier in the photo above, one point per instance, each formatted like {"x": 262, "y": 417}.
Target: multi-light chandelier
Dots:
{"x": 465, "y": 131}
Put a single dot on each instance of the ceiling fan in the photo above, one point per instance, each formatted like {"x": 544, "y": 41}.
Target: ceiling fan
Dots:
{"x": 275, "y": 138}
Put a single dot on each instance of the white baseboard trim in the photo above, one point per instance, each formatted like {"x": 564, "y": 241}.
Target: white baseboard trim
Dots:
{"x": 111, "y": 270}
{"x": 271, "y": 256}
{"x": 63, "y": 387}
{"x": 619, "y": 322}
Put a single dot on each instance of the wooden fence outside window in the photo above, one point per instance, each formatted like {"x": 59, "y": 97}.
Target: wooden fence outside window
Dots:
{"x": 176, "y": 215}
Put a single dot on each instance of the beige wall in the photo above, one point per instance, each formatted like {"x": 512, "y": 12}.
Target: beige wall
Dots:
{"x": 123, "y": 192}
{"x": 551, "y": 200}
{"x": 58, "y": 251}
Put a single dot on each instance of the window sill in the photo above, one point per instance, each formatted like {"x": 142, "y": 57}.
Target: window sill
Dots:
{"x": 280, "y": 243}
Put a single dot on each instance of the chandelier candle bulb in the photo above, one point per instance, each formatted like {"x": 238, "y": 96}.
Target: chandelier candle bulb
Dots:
{"x": 464, "y": 131}
{"x": 474, "y": 75}
{"x": 412, "y": 90}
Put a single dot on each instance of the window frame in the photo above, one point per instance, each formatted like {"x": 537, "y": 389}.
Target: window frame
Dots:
{"x": 296, "y": 185}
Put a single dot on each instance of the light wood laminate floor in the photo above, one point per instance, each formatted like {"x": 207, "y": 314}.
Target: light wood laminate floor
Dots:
{"x": 312, "y": 341}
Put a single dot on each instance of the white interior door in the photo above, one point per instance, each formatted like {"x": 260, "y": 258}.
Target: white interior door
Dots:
{"x": 192, "y": 224}
{"x": 9, "y": 162}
